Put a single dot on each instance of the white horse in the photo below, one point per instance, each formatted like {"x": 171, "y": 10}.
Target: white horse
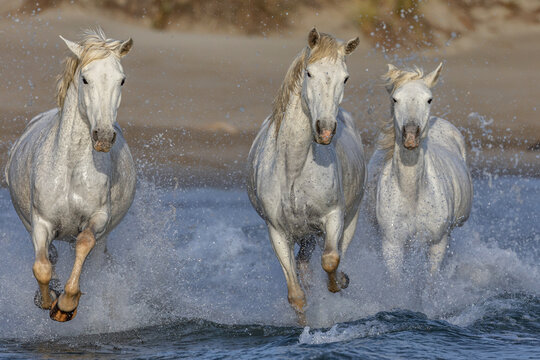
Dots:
{"x": 301, "y": 182}
{"x": 418, "y": 173}
{"x": 71, "y": 173}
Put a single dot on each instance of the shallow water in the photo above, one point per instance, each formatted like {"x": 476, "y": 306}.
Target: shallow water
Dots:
{"x": 191, "y": 273}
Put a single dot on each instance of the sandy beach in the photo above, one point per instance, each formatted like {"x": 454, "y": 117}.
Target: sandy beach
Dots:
{"x": 194, "y": 100}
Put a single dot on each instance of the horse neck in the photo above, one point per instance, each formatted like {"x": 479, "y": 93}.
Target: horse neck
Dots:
{"x": 73, "y": 135}
{"x": 294, "y": 140}
{"x": 409, "y": 168}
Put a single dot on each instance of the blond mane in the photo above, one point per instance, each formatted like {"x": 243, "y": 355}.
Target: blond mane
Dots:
{"x": 394, "y": 79}
{"x": 328, "y": 47}
{"x": 95, "y": 46}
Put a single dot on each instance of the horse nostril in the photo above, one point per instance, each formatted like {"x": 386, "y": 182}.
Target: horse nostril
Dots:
{"x": 113, "y": 137}
{"x": 334, "y": 131}
{"x": 318, "y": 126}
{"x": 95, "y": 135}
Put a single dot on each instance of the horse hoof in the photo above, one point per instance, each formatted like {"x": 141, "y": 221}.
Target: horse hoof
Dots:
{"x": 58, "y": 315}
{"x": 343, "y": 280}
{"x": 38, "y": 299}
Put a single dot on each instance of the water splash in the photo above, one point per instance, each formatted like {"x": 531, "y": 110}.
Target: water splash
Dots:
{"x": 205, "y": 254}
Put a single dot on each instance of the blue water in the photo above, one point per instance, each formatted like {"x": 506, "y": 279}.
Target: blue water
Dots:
{"x": 191, "y": 273}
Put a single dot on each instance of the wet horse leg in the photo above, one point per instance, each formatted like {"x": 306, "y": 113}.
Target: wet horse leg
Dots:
{"x": 285, "y": 253}
{"x": 65, "y": 308}
{"x": 436, "y": 254}
{"x": 307, "y": 246}
{"x": 43, "y": 269}
{"x": 393, "y": 251}
{"x": 330, "y": 258}
{"x": 348, "y": 234}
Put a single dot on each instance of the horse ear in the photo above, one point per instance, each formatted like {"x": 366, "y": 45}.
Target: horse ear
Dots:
{"x": 386, "y": 77}
{"x": 73, "y": 46}
{"x": 391, "y": 67}
{"x": 431, "y": 78}
{"x": 125, "y": 47}
{"x": 313, "y": 38}
{"x": 351, "y": 45}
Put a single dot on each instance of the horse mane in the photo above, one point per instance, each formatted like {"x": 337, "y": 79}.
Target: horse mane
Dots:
{"x": 394, "y": 79}
{"x": 95, "y": 45}
{"x": 328, "y": 46}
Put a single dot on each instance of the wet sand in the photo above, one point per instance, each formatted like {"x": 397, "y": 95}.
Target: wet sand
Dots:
{"x": 193, "y": 101}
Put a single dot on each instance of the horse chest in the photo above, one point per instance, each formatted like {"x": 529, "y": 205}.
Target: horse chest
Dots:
{"x": 88, "y": 190}
{"x": 308, "y": 202}
{"x": 423, "y": 209}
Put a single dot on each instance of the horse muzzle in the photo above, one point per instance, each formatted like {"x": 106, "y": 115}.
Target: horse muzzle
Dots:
{"x": 324, "y": 135}
{"x": 411, "y": 136}
{"x": 103, "y": 142}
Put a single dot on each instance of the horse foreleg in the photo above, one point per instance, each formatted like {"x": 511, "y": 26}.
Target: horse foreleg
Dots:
{"x": 307, "y": 246}
{"x": 65, "y": 308}
{"x": 285, "y": 253}
{"x": 330, "y": 258}
{"x": 43, "y": 269}
{"x": 393, "y": 254}
{"x": 348, "y": 234}
{"x": 436, "y": 255}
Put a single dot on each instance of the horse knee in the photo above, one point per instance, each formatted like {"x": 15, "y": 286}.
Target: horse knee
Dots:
{"x": 330, "y": 262}
{"x": 42, "y": 270}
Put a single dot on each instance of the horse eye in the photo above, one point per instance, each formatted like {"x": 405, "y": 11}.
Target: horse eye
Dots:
{"x": 394, "y": 99}
{"x": 308, "y": 73}
{"x": 123, "y": 81}
{"x": 346, "y": 79}
{"x": 430, "y": 100}
{"x": 84, "y": 80}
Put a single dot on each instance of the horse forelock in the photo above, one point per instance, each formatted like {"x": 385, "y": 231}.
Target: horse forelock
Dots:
{"x": 394, "y": 79}
{"x": 328, "y": 47}
{"x": 95, "y": 45}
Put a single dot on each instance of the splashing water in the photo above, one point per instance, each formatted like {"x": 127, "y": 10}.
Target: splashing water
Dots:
{"x": 203, "y": 254}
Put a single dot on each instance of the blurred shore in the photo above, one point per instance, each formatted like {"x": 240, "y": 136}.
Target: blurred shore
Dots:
{"x": 194, "y": 100}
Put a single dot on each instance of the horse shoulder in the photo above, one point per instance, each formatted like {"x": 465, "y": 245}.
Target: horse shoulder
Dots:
{"x": 123, "y": 181}
{"x": 261, "y": 161}
{"x": 349, "y": 144}
{"x": 447, "y": 154}
{"x": 374, "y": 173}
{"x": 445, "y": 134}
{"x": 22, "y": 151}
{"x": 123, "y": 174}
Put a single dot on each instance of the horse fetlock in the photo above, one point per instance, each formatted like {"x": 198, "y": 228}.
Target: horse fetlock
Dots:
{"x": 45, "y": 302}
{"x": 330, "y": 262}
{"x": 72, "y": 290}
{"x": 68, "y": 302}
{"x": 297, "y": 301}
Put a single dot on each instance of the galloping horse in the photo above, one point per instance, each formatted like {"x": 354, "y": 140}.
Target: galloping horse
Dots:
{"x": 307, "y": 166}
{"x": 418, "y": 173}
{"x": 71, "y": 173}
